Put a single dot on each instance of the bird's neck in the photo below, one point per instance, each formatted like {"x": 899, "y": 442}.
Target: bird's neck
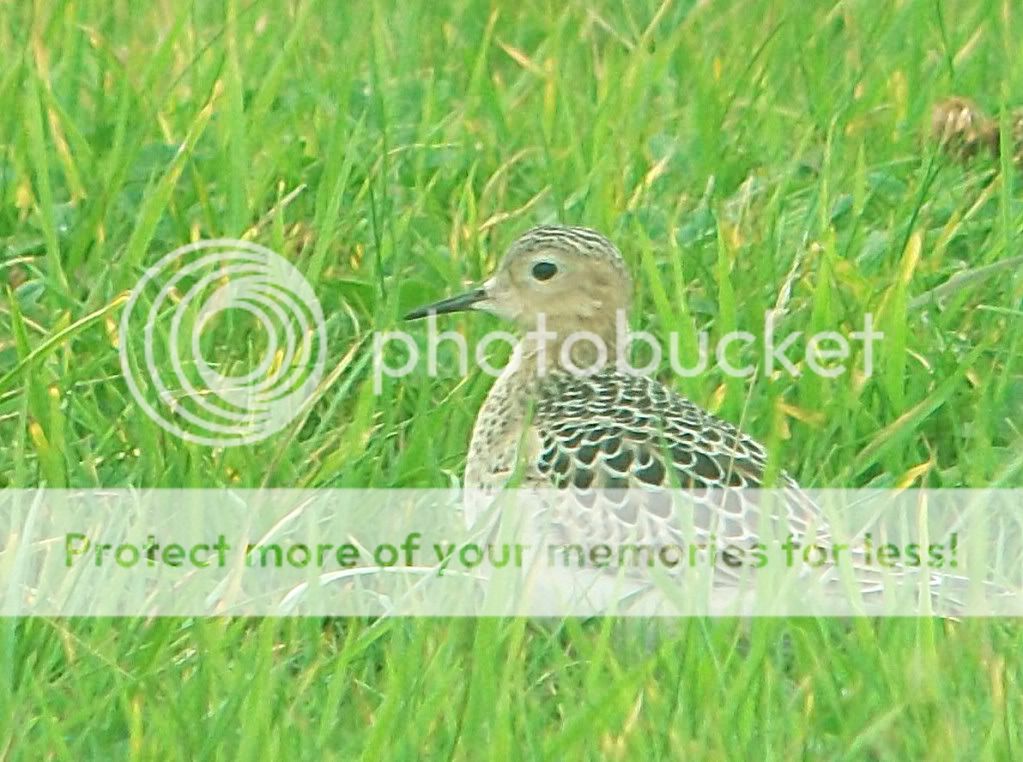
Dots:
{"x": 571, "y": 347}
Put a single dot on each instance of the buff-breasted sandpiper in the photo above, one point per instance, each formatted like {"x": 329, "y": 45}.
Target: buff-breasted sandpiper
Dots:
{"x": 572, "y": 419}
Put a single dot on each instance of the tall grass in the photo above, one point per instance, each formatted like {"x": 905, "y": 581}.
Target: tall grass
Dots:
{"x": 390, "y": 151}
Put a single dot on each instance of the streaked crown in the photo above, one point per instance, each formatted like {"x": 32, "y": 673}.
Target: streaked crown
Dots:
{"x": 571, "y": 239}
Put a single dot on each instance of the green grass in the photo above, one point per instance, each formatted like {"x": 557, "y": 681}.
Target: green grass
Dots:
{"x": 391, "y": 151}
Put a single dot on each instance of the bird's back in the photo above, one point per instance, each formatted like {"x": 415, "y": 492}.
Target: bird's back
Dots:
{"x": 605, "y": 435}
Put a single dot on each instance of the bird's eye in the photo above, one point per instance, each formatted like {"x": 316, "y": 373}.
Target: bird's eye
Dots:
{"x": 544, "y": 270}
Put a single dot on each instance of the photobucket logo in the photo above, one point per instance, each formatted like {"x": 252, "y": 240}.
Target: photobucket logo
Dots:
{"x": 827, "y": 354}
{"x": 192, "y": 326}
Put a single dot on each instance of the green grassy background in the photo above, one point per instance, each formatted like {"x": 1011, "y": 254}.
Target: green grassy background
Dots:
{"x": 391, "y": 151}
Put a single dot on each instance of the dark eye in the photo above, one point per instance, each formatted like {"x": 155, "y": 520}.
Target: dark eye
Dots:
{"x": 544, "y": 270}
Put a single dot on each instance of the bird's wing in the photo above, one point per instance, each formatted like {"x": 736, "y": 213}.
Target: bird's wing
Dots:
{"x": 605, "y": 438}
{"x": 605, "y": 435}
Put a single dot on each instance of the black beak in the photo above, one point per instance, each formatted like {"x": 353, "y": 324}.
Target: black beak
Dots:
{"x": 454, "y": 304}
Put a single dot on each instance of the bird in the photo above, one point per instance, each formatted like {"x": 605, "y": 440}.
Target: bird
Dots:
{"x": 616, "y": 446}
